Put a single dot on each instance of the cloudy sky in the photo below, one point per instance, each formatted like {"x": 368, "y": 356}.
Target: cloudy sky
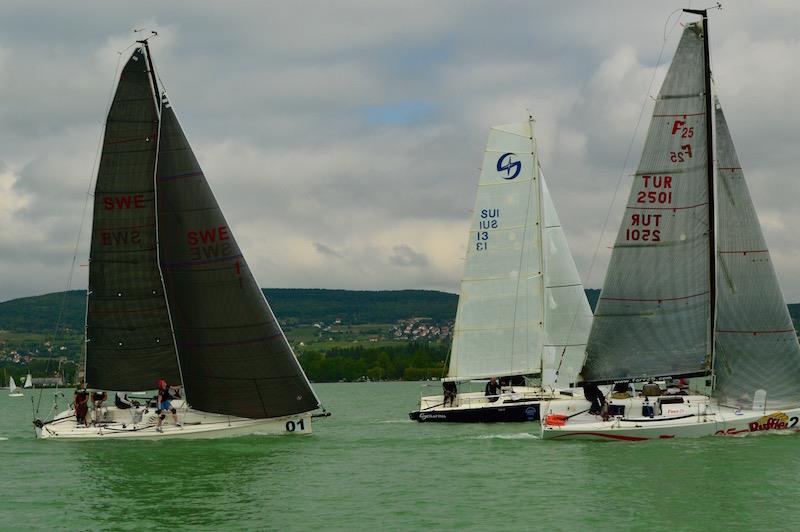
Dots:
{"x": 343, "y": 138}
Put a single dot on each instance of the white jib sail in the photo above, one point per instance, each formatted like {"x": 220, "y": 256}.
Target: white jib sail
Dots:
{"x": 12, "y": 386}
{"x": 499, "y": 324}
{"x": 28, "y": 382}
{"x": 567, "y": 315}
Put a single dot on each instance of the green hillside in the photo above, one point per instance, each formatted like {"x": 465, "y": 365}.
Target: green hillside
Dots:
{"x": 291, "y": 305}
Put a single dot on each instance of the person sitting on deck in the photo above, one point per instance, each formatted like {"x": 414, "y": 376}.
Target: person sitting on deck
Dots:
{"x": 164, "y": 403}
{"x": 81, "y": 404}
{"x": 621, "y": 390}
{"x": 492, "y": 390}
{"x": 450, "y": 391}
{"x": 651, "y": 389}
{"x": 98, "y": 398}
{"x": 595, "y": 396}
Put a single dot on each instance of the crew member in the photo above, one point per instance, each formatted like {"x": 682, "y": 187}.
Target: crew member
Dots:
{"x": 450, "y": 391}
{"x": 164, "y": 402}
{"x": 81, "y": 404}
{"x": 492, "y": 390}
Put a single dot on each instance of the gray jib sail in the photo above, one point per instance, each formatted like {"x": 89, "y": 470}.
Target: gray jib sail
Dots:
{"x": 234, "y": 357}
{"x": 757, "y": 346}
{"x": 129, "y": 342}
{"x": 652, "y": 318}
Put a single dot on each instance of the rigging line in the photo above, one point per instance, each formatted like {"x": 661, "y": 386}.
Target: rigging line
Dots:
{"x": 625, "y": 162}
{"x": 92, "y": 175}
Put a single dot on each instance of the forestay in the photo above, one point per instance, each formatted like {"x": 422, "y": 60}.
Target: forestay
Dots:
{"x": 757, "y": 346}
{"x": 234, "y": 357}
{"x": 652, "y": 318}
{"x": 129, "y": 341}
{"x": 498, "y": 328}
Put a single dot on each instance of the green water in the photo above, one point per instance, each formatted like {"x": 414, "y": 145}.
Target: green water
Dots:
{"x": 368, "y": 468}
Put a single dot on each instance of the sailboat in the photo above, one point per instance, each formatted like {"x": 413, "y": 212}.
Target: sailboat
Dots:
{"x": 691, "y": 291}
{"x": 170, "y": 294}
{"x": 12, "y": 388}
{"x": 28, "y": 381}
{"x": 522, "y": 312}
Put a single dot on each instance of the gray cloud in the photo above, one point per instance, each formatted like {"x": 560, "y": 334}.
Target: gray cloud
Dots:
{"x": 364, "y": 124}
{"x": 403, "y": 255}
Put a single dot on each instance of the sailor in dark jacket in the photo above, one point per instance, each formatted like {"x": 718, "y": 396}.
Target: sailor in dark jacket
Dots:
{"x": 492, "y": 390}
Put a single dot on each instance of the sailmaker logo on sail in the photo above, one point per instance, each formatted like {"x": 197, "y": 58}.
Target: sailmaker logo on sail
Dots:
{"x": 511, "y": 168}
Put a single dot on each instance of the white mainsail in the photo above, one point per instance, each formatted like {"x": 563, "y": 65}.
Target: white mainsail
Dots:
{"x": 12, "y": 386}
{"x": 508, "y": 296}
{"x": 28, "y": 382}
{"x": 756, "y": 344}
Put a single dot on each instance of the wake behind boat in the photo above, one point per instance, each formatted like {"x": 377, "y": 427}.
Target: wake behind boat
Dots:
{"x": 682, "y": 300}
{"x": 522, "y": 311}
{"x": 171, "y": 296}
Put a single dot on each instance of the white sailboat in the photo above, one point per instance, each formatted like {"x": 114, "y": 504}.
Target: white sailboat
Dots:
{"x": 28, "y": 381}
{"x": 171, "y": 296}
{"x": 522, "y": 312}
{"x": 691, "y": 292}
{"x": 13, "y": 391}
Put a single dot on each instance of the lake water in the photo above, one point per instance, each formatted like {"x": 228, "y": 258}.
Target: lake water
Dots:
{"x": 368, "y": 467}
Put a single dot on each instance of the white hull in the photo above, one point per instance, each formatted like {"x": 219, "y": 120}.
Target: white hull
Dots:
{"x": 141, "y": 423}
{"x": 16, "y": 394}
{"x": 697, "y": 416}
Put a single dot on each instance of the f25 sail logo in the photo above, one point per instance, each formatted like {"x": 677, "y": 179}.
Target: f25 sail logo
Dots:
{"x": 510, "y": 167}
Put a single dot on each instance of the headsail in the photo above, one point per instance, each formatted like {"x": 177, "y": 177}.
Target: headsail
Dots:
{"x": 652, "y": 318}
{"x": 757, "y": 346}
{"x": 567, "y": 315}
{"x": 28, "y": 381}
{"x": 498, "y": 328}
{"x": 129, "y": 341}
{"x": 234, "y": 357}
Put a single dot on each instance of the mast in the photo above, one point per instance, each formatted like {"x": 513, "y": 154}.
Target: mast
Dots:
{"x": 712, "y": 255}
{"x": 159, "y": 102}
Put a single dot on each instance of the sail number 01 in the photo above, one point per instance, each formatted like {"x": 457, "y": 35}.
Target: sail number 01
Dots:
{"x": 291, "y": 426}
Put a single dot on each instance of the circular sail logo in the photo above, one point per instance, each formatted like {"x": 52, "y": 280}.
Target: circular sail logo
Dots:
{"x": 510, "y": 167}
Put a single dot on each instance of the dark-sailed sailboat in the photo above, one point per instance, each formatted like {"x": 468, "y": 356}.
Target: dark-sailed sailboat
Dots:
{"x": 170, "y": 294}
{"x": 691, "y": 292}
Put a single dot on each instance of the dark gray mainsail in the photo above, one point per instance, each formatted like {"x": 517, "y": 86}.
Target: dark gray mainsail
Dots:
{"x": 234, "y": 357}
{"x": 756, "y": 344}
{"x": 652, "y": 318}
{"x": 129, "y": 341}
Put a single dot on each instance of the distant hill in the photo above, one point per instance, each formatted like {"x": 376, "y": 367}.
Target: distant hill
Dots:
{"x": 291, "y": 305}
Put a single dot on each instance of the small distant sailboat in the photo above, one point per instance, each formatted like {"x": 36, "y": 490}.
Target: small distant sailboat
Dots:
{"x": 28, "y": 382}
{"x": 12, "y": 388}
{"x": 691, "y": 292}
{"x": 170, "y": 294}
{"x": 522, "y": 312}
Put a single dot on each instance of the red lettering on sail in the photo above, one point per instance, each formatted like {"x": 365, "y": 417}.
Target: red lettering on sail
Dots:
{"x": 111, "y": 203}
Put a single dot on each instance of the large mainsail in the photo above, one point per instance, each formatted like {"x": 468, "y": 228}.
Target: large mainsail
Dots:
{"x": 498, "y": 328}
{"x": 652, "y": 318}
{"x": 234, "y": 357}
{"x": 129, "y": 341}
{"x": 567, "y": 315}
{"x": 756, "y": 344}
